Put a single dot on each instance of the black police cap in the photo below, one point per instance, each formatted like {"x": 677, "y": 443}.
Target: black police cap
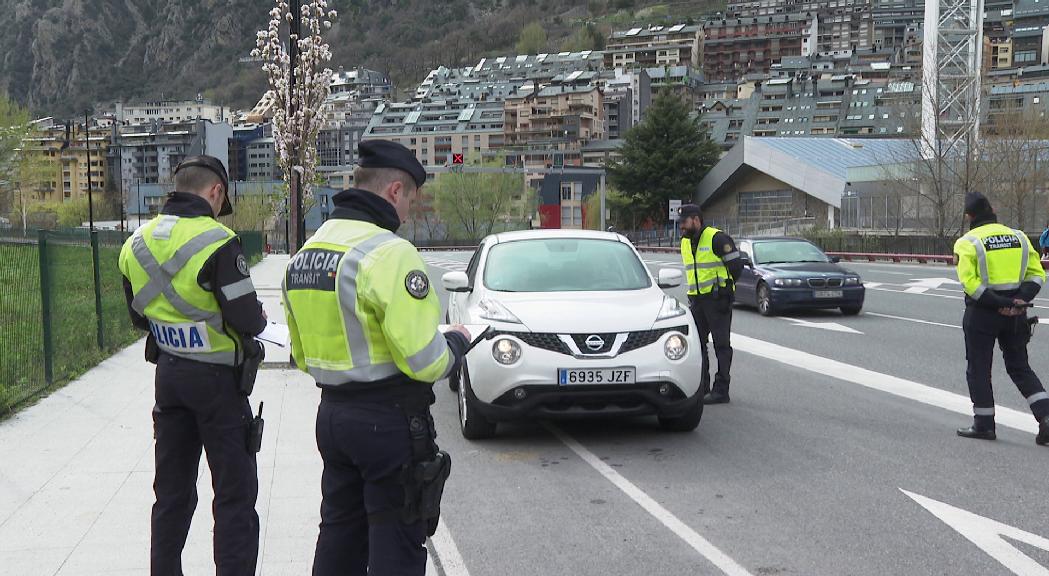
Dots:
{"x": 977, "y": 204}
{"x": 689, "y": 210}
{"x": 387, "y": 154}
{"x": 215, "y": 165}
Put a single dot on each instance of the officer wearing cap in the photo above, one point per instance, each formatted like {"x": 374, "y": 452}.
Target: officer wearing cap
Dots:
{"x": 187, "y": 284}
{"x": 712, "y": 266}
{"x": 1001, "y": 273}
{"x": 363, "y": 321}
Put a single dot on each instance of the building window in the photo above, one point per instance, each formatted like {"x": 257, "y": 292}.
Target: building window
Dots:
{"x": 765, "y": 207}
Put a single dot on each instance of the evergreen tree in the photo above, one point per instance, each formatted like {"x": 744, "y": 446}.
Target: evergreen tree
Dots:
{"x": 664, "y": 157}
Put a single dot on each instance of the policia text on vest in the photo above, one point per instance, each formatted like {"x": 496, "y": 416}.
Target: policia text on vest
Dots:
{"x": 363, "y": 323}
{"x": 187, "y": 283}
{"x": 1001, "y": 273}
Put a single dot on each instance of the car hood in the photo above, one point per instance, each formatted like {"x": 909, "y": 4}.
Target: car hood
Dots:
{"x": 578, "y": 312}
{"x": 804, "y": 268}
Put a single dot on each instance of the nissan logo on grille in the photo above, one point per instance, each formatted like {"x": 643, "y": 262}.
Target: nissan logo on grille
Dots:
{"x": 595, "y": 342}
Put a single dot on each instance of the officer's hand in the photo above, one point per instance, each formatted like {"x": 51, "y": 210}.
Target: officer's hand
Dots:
{"x": 462, "y": 330}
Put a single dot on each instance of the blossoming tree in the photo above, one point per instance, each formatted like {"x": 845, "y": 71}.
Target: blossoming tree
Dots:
{"x": 299, "y": 82}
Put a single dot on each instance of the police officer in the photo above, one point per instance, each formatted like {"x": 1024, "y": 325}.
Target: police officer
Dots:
{"x": 712, "y": 266}
{"x": 187, "y": 283}
{"x": 363, "y": 321}
{"x": 1001, "y": 274}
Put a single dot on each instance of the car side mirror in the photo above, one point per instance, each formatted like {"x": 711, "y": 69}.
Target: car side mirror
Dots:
{"x": 835, "y": 259}
{"x": 456, "y": 282}
{"x": 746, "y": 260}
{"x": 669, "y": 278}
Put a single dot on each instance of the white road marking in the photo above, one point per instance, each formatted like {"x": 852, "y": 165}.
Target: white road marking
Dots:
{"x": 988, "y": 535}
{"x": 665, "y": 517}
{"x": 926, "y": 284}
{"x": 447, "y": 552}
{"x": 831, "y": 326}
{"x": 877, "y": 381}
{"x": 904, "y": 318}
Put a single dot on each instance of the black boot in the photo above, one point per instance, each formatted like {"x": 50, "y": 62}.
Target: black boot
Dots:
{"x": 977, "y": 432}
{"x": 1043, "y": 432}
{"x": 716, "y": 397}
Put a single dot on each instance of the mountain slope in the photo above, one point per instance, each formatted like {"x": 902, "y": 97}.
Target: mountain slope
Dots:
{"x": 61, "y": 57}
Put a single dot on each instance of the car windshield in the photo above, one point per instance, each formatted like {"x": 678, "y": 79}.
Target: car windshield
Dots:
{"x": 787, "y": 251}
{"x": 564, "y": 265}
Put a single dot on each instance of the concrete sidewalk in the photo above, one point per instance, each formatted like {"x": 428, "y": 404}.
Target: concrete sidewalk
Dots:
{"x": 76, "y": 470}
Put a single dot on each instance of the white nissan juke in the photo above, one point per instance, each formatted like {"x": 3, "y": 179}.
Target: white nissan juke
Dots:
{"x": 578, "y": 328}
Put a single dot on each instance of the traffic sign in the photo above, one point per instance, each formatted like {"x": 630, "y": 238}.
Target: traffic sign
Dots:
{"x": 457, "y": 158}
{"x": 674, "y": 205}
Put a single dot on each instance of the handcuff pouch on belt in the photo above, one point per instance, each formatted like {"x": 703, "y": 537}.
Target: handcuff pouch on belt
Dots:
{"x": 425, "y": 476}
{"x": 254, "y": 354}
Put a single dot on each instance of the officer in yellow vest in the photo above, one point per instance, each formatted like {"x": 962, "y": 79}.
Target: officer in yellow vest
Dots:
{"x": 712, "y": 266}
{"x": 187, "y": 284}
{"x": 1001, "y": 274}
{"x": 363, "y": 321}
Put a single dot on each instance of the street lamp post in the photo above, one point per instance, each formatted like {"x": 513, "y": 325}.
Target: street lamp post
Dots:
{"x": 294, "y": 185}
{"x": 90, "y": 196}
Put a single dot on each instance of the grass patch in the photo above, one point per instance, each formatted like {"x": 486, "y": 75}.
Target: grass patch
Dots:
{"x": 74, "y": 322}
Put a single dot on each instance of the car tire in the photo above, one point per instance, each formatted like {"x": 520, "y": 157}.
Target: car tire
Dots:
{"x": 851, "y": 310}
{"x": 687, "y": 422}
{"x": 764, "y": 300}
{"x": 472, "y": 424}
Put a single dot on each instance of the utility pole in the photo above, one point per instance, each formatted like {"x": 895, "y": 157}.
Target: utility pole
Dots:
{"x": 90, "y": 196}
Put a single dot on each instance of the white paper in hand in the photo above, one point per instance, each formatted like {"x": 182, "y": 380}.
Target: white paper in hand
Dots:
{"x": 275, "y": 333}
{"x": 477, "y": 331}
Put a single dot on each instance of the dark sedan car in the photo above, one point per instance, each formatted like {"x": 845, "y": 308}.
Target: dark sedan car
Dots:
{"x": 786, "y": 273}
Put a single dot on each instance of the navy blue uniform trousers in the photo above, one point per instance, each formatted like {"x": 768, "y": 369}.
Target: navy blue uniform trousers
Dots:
{"x": 364, "y": 447}
{"x": 983, "y": 327}
{"x": 199, "y": 406}
{"x": 713, "y": 318}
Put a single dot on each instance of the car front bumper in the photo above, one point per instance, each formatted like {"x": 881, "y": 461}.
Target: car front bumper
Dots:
{"x": 783, "y": 298}
{"x": 530, "y": 387}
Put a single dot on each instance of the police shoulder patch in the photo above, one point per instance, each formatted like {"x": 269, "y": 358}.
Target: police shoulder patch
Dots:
{"x": 417, "y": 284}
{"x": 242, "y": 265}
{"x": 727, "y": 249}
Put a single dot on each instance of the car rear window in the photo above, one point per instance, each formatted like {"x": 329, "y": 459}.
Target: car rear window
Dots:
{"x": 787, "y": 251}
{"x": 564, "y": 265}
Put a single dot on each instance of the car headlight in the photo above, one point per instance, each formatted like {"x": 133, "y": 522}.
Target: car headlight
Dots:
{"x": 853, "y": 281}
{"x": 676, "y": 347}
{"x": 671, "y": 309}
{"x": 506, "y": 351}
{"x": 789, "y": 282}
{"x": 492, "y": 310}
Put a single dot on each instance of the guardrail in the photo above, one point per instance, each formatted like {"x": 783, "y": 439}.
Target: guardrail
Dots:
{"x": 874, "y": 257}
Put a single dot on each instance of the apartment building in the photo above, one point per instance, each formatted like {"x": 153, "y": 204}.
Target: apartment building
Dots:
{"x": 678, "y": 45}
{"x": 62, "y": 152}
{"x": 828, "y": 105}
{"x": 437, "y": 129}
{"x": 170, "y": 111}
{"x": 733, "y": 47}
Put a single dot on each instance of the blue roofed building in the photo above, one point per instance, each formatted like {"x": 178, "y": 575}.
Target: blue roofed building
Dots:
{"x": 766, "y": 184}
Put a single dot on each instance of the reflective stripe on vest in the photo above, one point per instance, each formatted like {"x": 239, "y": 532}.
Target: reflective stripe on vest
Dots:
{"x": 341, "y": 334}
{"x": 704, "y": 268}
{"x": 177, "y": 336}
{"x": 1004, "y": 281}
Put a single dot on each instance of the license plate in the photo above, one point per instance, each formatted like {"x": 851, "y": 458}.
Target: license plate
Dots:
{"x": 571, "y": 376}
{"x": 829, "y": 294}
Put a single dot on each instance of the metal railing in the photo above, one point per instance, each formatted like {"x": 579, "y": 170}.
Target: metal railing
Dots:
{"x": 62, "y": 306}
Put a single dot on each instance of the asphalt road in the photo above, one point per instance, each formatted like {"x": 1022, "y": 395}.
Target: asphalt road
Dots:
{"x": 833, "y": 422}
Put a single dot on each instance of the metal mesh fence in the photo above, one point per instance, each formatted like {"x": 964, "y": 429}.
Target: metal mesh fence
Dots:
{"x": 21, "y": 351}
{"x": 62, "y": 306}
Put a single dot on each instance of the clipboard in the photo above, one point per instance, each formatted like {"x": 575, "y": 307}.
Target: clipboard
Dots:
{"x": 477, "y": 331}
{"x": 275, "y": 333}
